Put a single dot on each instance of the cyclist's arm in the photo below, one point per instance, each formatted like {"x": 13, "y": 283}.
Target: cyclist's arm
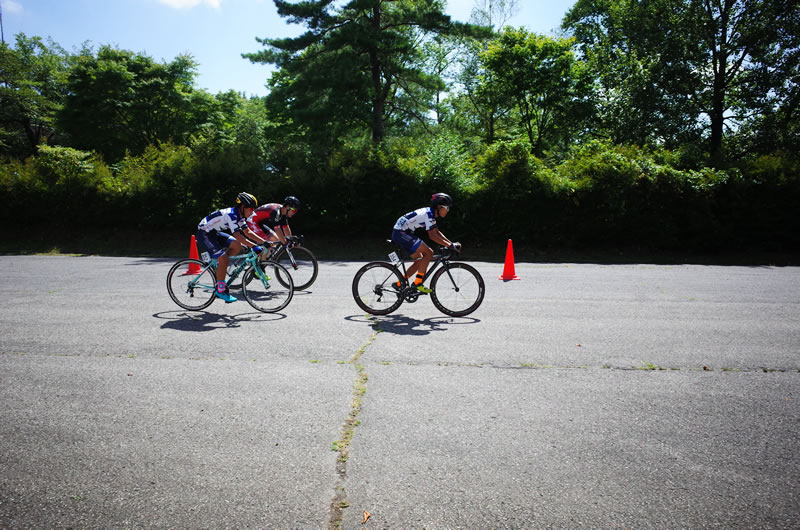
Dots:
{"x": 281, "y": 234}
{"x": 269, "y": 232}
{"x": 250, "y": 242}
{"x": 247, "y": 234}
{"x": 438, "y": 237}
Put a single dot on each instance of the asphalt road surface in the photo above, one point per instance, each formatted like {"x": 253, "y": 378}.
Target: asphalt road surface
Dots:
{"x": 579, "y": 396}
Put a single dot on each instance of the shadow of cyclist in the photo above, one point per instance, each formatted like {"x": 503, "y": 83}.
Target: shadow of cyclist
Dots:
{"x": 203, "y": 321}
{"x": 403, "y": 325}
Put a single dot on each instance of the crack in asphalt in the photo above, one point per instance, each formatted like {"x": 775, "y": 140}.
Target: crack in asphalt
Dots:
{"x": 339, "y": 502}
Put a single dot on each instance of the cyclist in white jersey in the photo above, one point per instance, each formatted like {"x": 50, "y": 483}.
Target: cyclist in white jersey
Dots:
{"x": 403, "y": 236}
{"x": 223, "y": 232}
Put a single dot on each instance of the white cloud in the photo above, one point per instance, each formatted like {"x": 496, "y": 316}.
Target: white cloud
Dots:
{"x": 188, "y": 4}
{"x": 11, "y": 7}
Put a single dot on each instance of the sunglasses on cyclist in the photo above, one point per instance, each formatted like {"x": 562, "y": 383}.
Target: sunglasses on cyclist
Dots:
{"x": 292, "y": 209}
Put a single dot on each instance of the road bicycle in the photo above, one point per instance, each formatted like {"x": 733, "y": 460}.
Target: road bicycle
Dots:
{"x": 296, "y": 258}
{"x": 191, "y": 283}
{"x": 457, "y": 289}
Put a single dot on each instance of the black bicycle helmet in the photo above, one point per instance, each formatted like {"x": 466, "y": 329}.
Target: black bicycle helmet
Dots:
{"x": 247, "y": 200}
{"x": 441, "y": 199}
{"x": 291, "y": 200}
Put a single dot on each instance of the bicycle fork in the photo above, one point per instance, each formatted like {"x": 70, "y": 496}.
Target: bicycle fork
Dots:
{"x": 261, "y": 274}
{"x": 452, "y": 280}
{"x": 291, "y": 258}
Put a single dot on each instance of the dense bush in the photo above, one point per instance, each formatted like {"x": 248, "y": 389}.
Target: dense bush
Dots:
{"x": 599, "y": 196}
{"x": 60, "y": 182}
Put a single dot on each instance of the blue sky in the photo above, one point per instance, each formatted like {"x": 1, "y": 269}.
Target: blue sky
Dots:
{"x": 214, "y": 32}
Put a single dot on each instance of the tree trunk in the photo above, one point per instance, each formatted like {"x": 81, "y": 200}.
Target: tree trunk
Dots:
{"x": 378, "y": 100}
{"x": 719, "y": 56}
{"x": 717, "y": 125}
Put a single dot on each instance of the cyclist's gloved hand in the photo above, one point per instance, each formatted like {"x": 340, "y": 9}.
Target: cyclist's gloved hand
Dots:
{"x": 456, "y": 246}
{"x": 289, "y": 242}
{"x": 258, "y": 250}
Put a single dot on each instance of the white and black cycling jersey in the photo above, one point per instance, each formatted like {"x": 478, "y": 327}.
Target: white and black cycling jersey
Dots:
{"x": 225, "y": 220}
{"x": 420, "y": 218}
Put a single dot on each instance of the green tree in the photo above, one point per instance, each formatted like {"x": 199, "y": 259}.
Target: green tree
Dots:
{"x": 770, "y": 98}
{"x": 439, "y": 56}
{"x": 668, "y": 68}
{"x": 32, "y": 89}
{"x": 358, "y": 64}
{"x": 479, "y": 91}
{"x": 487, "y": 101}
{"x": 542, "y": 76}
{"x": 122, "y": 101}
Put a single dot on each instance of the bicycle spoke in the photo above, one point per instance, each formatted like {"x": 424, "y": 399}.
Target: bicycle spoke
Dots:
{"x": 191, "y": 285}
{"x": 373, "y": 288}
{"x": 303, "y": 267}
{"x": 458, "y": 289}
{"x": 268, "y": 291}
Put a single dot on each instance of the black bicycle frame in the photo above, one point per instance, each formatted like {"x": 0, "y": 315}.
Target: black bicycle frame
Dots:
{"x": 438, "y": 260}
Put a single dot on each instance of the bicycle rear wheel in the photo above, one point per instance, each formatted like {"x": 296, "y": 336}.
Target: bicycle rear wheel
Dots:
{"x": 305, "y": 267}
{"x": 374, "y": 290}
{"x": 457, "y": 289}
{"x": 191, "y": 285}
{"x": 268, "y": 292}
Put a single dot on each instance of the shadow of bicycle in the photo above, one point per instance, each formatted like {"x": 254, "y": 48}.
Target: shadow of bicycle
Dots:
{"x": 203, "y": 321}
{"x": 403, "y": 325}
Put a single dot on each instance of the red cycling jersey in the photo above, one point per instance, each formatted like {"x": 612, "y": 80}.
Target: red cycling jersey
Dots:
{"x": 266, "y": 217}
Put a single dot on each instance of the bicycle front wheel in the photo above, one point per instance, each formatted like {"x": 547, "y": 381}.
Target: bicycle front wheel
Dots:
{"x": 191, "y": 285}
{"x": 457, "y": 289}
{"x": 268, "y": 292}
{"x": 374, "y": 290}
{"x": 304, "y": 268}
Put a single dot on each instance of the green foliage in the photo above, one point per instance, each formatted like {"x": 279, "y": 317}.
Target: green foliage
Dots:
{"x": 595, "y": 142}
{"x": 446, "y": 165}
{"x": 63, "y": 181}
{"x": 358, "y": 63}
{"x": 506, "y": 168}
{"x": 19, "y": 183}
{"x": 668, "y": 71}
{"x": 365, "y": 186}
{"x": 143, "y": 102}
{"x": 540, "y": 74}
{"x": 32, "y": 78}
{"x": 159, "y": 187}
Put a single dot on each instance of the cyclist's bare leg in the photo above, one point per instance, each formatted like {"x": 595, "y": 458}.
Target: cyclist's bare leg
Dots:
{"x": 423, "y": 257}
{"x": 222, "y": 262}
{"x": 222, "y": 267}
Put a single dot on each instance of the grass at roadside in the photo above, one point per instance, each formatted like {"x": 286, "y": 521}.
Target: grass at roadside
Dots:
{"x": 348, "y": 248}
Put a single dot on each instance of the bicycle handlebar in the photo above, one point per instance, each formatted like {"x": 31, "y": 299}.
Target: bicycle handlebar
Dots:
{"x": 293, "y": 241}
{"x": 447, "y": 253}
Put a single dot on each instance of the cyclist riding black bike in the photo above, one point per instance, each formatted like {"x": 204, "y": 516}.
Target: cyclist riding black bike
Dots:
{"x": 271, "y": 221}
{"x": 403, "y": 236}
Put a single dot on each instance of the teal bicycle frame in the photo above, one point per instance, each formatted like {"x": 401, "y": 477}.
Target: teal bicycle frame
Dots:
{"x": 192, "y": 283}
{"x": 251, "y": 258}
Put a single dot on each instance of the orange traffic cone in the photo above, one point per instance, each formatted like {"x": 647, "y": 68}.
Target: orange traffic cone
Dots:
{"x": 508, "y": 269}
{"x": 194, "y": 268}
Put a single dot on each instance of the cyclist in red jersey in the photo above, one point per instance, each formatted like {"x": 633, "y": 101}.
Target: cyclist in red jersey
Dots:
{"x": 271, "y": 221}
